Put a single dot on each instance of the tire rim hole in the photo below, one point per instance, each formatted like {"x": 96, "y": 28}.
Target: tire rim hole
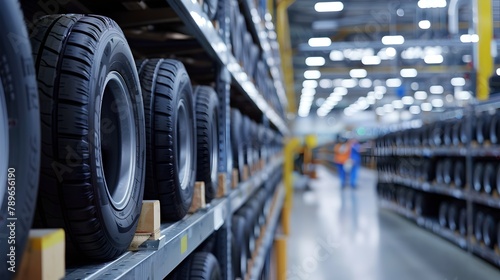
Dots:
{"x": 118, "y": 143}
{"x": 184, "y": 144}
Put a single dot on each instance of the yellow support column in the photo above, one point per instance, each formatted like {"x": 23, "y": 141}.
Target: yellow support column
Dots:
{"x": 280, "y": 253}
{"x": 289, "y": 152}
{"x": 283, "y": 32}
{"x": 484, "y": 28}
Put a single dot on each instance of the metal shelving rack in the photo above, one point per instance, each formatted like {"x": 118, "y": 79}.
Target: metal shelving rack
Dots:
{"x": 156, "y": 259}
{"x": 470, "y": 151}
{"x": 193, "y": 16}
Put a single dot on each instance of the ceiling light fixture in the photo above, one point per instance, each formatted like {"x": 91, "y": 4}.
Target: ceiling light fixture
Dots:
{"x": 371, "y": 60}
{"x": 308, "y": 92}
{"x": 349, "y": 83}
{"x": 398, "y": 104}
{"x": 437, "y": 103}
{"x": 436, "y": 89}
{"x": 498, "y": 72}
{"x": 312, "y": 74}
{"x": 358, "y": 73}
{"x": 428, "y": 4}
{"x": 407, "y": 100}
{"x": 365, "y": 83}
{"x": 315, "y": 61}
{"x": 462, "y": 95}
{"x": 420, "y": 95}
{"x": 323, "y": 7}
{"x": 388, "y": 108}
{"x": 320, "y": 42}
{"x": 310, "y": 84}
{"x": 469, "y": 38}
{"x": 424, "y": 24}
{"x": 433, "y": 59}
{"x": 426, "y": 107}
{"x": 409, "y": 73}
{"x": 393, "y": 83}
{"x": 415, "y": 110}
{"x": 393, "y": 40}
{"x": 340, "y": 91}
{"x": 458, "y": 82}
{"x": 326, "y": 83}
{"x": 336, "y": 55}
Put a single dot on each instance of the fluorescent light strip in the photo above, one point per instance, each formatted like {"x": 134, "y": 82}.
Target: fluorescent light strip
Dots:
{"x": 323, "y": 7}
{"x": 393, "y": 40}
{"x": 409, "y": 73}
{"x": 320, "y": 42}
{"x": 315, "y": 61}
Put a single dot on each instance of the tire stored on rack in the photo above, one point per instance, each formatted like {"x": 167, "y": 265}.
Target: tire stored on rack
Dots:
{"x": 477, "y": 177}
{"x": 93, "y": 142}
{"x": 239, "y": 263}
{"x": 453, "y": 216}
{"x": 207, "y": 137}
{"x": 19, "y": 134}
{"x": 170, "y": 135}
{"x": 198, "y": 266}
{"x": 459, "y": 174}
{"x": 236, "y": 142}
{"x": 478, "y": 225}
{"x": 483, "y": 128}
{"x": 462, "y": 222}
{"x": 489, "y": 177}
{"x": 495, "y": 129}
{"x": 443, "y": 214}
{"x": 489, "y": 231}
{"x": 447, "y": 171}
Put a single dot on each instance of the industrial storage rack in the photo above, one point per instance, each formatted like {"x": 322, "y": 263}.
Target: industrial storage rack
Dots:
{"x": 470, "y": 150}
{"x": 156, "y": 259}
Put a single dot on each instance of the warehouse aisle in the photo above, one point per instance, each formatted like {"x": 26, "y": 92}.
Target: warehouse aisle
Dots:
{"x": 342, "y": 235}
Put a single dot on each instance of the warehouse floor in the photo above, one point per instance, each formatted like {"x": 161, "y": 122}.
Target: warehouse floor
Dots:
{"x": 341, "y": 234}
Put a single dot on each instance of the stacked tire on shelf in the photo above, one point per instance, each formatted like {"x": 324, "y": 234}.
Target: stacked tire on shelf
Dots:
{"x": 19, "y": 135}
{"x": 95, "y": 132}
{"x": 100, "y": 142}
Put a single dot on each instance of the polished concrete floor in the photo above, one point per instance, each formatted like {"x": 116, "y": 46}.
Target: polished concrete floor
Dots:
{"x": 342, "y": 234}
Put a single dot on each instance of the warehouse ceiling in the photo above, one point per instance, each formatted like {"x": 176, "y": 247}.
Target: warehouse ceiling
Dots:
{"x": 426, "y": 66}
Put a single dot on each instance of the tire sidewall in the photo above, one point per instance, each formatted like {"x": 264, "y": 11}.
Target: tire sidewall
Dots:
{"x": 113, "y": 54}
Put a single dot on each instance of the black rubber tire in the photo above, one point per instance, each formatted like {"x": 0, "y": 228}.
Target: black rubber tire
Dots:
{"x": 457, "y": 128}
{"x": 447, "y": 171}
{"x": 249, "y": 216}
{"x": 464, "y": 133}
{"x": 495, "y": 129}
{"x": 482, "y": 128}
{"x": 453, "y": 213}
{"x": 198, "y": 266}
{"x": 478, "y": 226}
{"x": 497, "y": 182}
{"x": 419, "y": 204}
{"x": 489, "y": 231}
{"x": 443, "y": 214}
{"x": 247, "y": 141}
{"x": 85, "y": 72}
{"x": 237, "y": 142}
{"x": 448, "y": 134}
{"x": 240, "y": 250}
{"x": 477, "y": 177}
{"x": 19, "y": 134}
{"x": 169, "y": 107}
{"x": 462, "y": 222}
{"x": 440, "y": 171}
{"x": 489, "y": 177}
{"x": 436, "y": 134}
{"x": 207, "y": 135}
{"x": 459, "y": 174}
